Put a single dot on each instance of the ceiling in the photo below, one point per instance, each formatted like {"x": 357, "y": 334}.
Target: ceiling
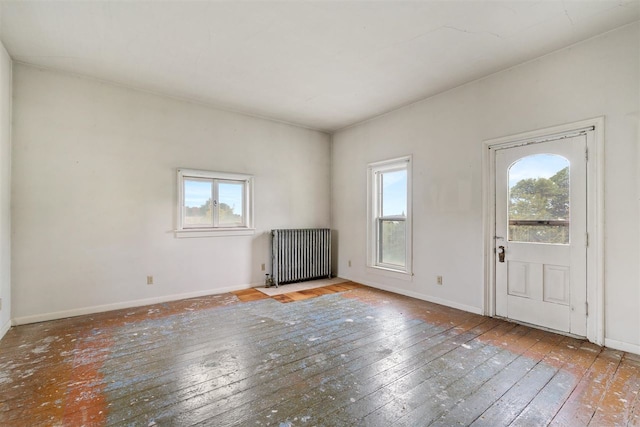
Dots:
{"x": 320, "y": 64}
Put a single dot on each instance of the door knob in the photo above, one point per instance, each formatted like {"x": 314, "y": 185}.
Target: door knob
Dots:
{"x": 501, "y": 253}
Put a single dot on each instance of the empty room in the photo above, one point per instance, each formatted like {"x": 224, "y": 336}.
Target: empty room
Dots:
{"x": 320, "y": 213}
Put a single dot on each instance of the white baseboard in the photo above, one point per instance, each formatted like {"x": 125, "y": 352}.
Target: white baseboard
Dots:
{"x": 125, "y": 304}
{"x": 417, "y": 295}
{"x": 621, "y": 345}
{"x": 5, "y": 328}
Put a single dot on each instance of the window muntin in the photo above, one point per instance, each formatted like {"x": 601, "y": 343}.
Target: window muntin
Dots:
{"x": 214, "y": 201}
{"x": 539, "y": 190}
{"x": 389, "y": 215}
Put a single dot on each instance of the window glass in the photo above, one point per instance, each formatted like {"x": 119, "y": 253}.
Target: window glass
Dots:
{"x": 393, "y": 242}
{"x": 230, "y": 195}
{"x": 394, "y": 193}
{"x": 198, "y": 209}
{"x": 539, "y": 190}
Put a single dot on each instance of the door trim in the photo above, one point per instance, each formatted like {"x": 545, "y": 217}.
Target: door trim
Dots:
{"x": 595, "y": 214}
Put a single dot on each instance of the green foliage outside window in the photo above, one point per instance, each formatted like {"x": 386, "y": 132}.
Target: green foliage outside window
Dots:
{"x": 542, "y": 199}
{"x": 203, "y": 214}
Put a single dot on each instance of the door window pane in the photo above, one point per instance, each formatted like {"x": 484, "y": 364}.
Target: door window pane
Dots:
{"x": 394, "y": 193}
{"x": 539, "y": 190}
{"x": 197, "y": 203}
{"x": 231, "y": 195}
{"x": 393, "y": 246}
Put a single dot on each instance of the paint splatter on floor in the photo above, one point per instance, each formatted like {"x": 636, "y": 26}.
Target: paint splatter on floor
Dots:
{"x": 358, "y": 356}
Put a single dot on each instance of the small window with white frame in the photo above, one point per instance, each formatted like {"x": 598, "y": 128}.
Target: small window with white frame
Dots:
{"x": 214, "y": 203}
{"x": 389, "y": 219}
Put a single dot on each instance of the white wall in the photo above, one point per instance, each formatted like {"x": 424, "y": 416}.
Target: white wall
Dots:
{"x": 445, "y": 133}
{"x": 5, "y": 190}
{"x": 94, "y": 194}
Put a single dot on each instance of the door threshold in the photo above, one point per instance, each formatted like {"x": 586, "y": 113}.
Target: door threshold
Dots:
{"x": 542, "y": 328}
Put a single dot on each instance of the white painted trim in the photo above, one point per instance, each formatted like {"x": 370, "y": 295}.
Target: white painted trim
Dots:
{"x": 215, "y": 232}
{"x": 395, "y": 274}
{"x": 549, "y": 134}
{"x": 488, "y": 229}
{"x": 126, "y": 304}
{"x": 5, "y": 328}
{"x": 622, "y": 346}
{"x": 595, "y": 216}
{"x": 417, "y": 295}
{"x": 596, "y": 253}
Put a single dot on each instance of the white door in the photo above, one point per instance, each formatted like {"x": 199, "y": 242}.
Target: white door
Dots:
{"x": 540, "y": 261}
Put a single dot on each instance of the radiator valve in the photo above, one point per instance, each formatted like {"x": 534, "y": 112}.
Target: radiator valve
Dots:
{"x": 268, "y": 281}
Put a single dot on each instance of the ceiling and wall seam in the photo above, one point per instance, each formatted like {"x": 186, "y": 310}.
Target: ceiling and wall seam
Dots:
{"x": 169, "y": 96}
{"x": 410, "y": 104}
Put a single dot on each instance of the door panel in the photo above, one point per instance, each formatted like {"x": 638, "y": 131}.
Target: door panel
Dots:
{"x": 556, "y": 284}
{"x": 541, "y": 223}
{"x": 518, "y": 284}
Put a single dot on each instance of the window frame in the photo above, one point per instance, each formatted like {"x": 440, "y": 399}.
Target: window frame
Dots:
{"x": 375, "y": 218}
{"x": 247, "y": 228}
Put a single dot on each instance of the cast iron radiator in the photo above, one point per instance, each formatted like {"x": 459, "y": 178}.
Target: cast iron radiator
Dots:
{"x": 300, "y": 254}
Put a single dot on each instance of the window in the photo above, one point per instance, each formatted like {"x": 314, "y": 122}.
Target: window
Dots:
{"x": 539, "y": 199}
{"x": 214, "y": 203}
{"x": 389, "y": 219}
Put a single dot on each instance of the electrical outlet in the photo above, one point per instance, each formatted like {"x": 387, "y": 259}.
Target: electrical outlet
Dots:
{"x": 349, "y": 263}
{"x": 263, "y": 267}
{"x": 149, "y": 280}
{"x": 439, "y": 280}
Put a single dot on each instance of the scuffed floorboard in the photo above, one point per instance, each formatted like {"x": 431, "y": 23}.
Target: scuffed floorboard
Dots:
{"x": 337, "y": 356}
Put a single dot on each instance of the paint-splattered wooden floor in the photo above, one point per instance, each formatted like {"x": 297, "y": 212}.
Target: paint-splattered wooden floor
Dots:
{"x": 352, "y": 356}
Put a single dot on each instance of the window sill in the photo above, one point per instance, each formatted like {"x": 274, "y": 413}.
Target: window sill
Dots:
{"x": 217, "y": 232}
{"x": 388, "y": 272}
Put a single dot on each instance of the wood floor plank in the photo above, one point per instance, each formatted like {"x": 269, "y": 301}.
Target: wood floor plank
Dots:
{"x": 411, "y": 391}
{"x": 615, "y": 405}
{"x": 384, "y": 359}
{"x": 430, "y": 399}
{"x": 137, "y": 328}
{"x": 156, "y": 343}
{"x": 250, "y": 295}
{"x": 310, "y": 344}
{"x": 472, "y": 382}
{"x": 468, "y": 407}
{"x": 279, "y": 385}
{"x": 320, "y": 394}
{"x": 276, "y": 354}
{"x": 570, "y": 369}
{"x": 523, "y": 395}
{"x": 339, "y": 355}
{"x": 371, "y": 392}
{"x": 579, "y": 408}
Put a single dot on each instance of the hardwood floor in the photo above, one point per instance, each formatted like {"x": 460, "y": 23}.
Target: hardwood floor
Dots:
{"x": 338, "y": 356}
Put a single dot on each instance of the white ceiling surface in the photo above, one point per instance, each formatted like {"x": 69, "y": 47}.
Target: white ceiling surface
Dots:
{"x": 320, "y": 64}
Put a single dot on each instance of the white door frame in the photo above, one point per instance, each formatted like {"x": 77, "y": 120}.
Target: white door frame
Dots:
{"x": 595, "y": 215}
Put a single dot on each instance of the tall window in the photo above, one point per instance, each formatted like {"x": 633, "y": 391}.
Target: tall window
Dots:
{"x": 389, "y": 233}
{"x": 213, "y": 202}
